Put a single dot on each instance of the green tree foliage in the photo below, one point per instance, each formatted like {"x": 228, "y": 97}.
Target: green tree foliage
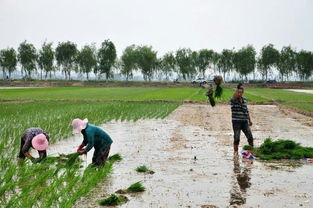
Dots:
{"x": 215, "y": 60}
{"x": 129, "y": 61}
{"x": 8, "y": 61}
{"x": 184, "y": 63}
{"x": 305, "y": 64}
{"x": 269, "y": 57}
{"x": 168, "y": 63}
{"x": 87, "y": 59}
{"x": 45, "y": 59}
{"x": 244, "y": 60}
{"x": 146, "y": 61}
{"x": 27, "y": 57}
{"x": 66, "y": 53}
{"x": 205, "y": 59}
{"x": 287, "y": 62}
{"x": 225, "y": 63}
{"x": 106, "y": 58}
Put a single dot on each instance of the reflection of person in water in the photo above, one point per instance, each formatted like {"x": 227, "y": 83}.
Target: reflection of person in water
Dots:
{"x": 241, "y": 182}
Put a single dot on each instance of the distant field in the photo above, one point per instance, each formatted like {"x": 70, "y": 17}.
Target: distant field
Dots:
{"x": 147, "y": 94}
{"x": 120, "y": 93}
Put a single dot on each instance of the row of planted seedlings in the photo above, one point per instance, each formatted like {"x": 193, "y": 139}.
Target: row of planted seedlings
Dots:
{"x": 60, "y": 184}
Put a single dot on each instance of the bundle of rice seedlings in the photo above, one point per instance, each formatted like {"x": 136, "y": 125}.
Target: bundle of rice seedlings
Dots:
{"x": 113, "y": 200}
{"x": 115, "y": 157}
{"x": 136, "y": 187}
{"x": 142, "y": 169}
{"x": 72, "y": 158}
{"x": 211, "y": 99}
{"x": 218, "y": 80}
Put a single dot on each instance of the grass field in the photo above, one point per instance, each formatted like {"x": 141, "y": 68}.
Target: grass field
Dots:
{"x": 121, "y": 93}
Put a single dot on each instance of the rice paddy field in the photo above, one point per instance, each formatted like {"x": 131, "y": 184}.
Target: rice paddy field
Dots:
{"x": 53, "y": 184}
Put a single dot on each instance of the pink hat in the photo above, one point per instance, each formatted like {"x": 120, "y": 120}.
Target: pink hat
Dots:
{"x": 78, "y": 124}
{"x": 40, "y": 142}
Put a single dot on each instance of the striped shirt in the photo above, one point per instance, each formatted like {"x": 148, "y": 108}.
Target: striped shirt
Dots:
{"x": 239, "y": 109}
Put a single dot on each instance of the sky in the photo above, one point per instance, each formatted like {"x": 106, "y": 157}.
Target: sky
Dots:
{"x": 166, "y": 25}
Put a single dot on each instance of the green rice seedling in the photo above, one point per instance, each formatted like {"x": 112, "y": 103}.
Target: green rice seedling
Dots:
{"x": 113, "y": 200}
{"x": 115, "y": 158}
{"x": 136, "y": 187}
{"x": 72, "y": 158}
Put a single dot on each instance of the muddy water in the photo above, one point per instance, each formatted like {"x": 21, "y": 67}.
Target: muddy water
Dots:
{"x": 191, "y": 154}
{"x": 304, "y": 91}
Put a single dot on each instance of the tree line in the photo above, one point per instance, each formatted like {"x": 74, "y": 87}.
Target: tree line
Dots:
{"x": 67, "y": 58}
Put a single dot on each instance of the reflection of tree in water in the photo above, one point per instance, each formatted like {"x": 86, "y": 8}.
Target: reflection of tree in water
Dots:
{"x": 240, "y": 182}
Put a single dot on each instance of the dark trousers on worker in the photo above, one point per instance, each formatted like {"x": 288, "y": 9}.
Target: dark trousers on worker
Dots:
{"x": 239, "y": 126}
{"x": 100, "y": 156}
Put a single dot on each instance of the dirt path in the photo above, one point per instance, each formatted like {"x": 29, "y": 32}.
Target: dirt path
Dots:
{"x": 191, "y": 154}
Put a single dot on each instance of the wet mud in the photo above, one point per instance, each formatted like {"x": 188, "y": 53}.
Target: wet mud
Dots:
{"x": 191, "y": 154}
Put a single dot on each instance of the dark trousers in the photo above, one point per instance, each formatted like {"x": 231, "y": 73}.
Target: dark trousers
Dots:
{"x": 100, "y": 156}
{"x": 239, "y": 126}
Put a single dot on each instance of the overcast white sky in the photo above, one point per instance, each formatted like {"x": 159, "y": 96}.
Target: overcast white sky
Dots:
{"x": 166, "y": 25}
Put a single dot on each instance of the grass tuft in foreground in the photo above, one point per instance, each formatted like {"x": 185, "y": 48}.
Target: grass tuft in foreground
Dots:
{"x": 113, "y": 200}
{"x": 281, "y": 149}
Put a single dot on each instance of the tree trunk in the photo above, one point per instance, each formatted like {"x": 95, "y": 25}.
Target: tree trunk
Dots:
{"x": 40, "y": 74}
{"x": 87, "y": 76}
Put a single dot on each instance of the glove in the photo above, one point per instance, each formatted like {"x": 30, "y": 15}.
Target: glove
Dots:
{"x": 80, "y": 147}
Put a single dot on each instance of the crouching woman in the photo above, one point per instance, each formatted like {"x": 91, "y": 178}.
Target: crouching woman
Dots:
{"x": 95, "y": 137}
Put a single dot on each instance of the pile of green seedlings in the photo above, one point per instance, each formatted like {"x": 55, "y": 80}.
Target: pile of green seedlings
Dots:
{"x": 113, "y": 200}
{"x": 281, "y": 149}
{"x": 118, "y": 198}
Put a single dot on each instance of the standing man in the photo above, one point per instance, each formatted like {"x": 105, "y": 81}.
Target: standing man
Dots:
{"x": 240, "y": 117}
{"x": 35, "y": 138}
{"x": 93, "y": 137}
